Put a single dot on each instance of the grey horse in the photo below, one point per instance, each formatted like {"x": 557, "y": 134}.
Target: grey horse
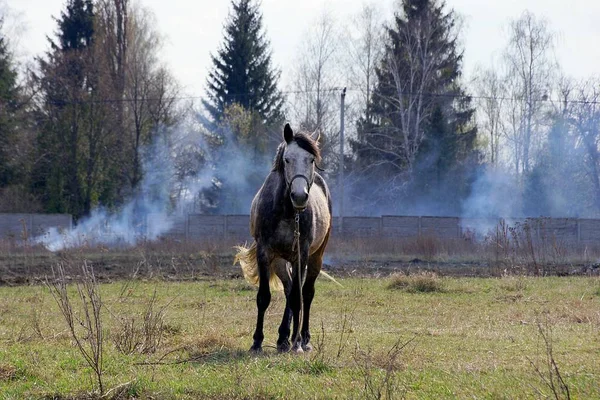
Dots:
{"x": 293, "y": 189}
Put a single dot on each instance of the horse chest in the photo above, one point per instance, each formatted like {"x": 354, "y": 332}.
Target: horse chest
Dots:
{"x": 283, "y": 237}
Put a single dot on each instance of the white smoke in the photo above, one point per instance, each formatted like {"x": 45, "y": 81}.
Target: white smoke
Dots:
{"x": 130, "y": 224}
{"x": 175, "y": 172}
{"x": 494, "y": 195}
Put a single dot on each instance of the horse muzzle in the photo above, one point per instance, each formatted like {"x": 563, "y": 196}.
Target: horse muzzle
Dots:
{"x": 299, "y": 199}
{"x": 299, "y": 189}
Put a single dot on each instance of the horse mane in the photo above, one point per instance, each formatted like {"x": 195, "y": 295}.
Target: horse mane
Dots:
{"x": 305, "y": 142}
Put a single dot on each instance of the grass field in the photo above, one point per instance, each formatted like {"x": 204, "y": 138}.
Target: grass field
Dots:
{"x": 411, "y": 337}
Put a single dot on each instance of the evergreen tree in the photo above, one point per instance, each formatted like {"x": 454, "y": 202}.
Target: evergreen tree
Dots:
{"x": 418, "y": 125}
{"x": 65, "y": 84}
{"x": 9, "y": 104}
{"x": 242, "y": 71}
{"x": 244, "y": 106}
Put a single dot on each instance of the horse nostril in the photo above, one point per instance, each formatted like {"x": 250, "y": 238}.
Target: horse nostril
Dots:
{"x": 300, "y": 197}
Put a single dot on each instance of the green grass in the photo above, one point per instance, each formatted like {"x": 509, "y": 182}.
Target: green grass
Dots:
{"x": 476, "y": 338}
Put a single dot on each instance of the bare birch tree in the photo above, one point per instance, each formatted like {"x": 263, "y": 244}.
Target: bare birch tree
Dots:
{"x": 585, "y": 117}
{"x": 490, "y": 89}
{"x": 314, "y": 101}
{"x": 418, "y": 52}
{"x": 364, "y": 49}
{"x": 150, "y": 89}
{"x": 530, "y": 63}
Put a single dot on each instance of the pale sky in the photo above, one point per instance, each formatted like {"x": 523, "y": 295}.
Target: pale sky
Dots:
{"x": 193, "y": 29}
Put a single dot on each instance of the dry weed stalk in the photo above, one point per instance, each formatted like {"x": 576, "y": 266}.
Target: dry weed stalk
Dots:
{"x": 143, "y": 335}
{"x": 85, "y": 325}
{"x": 550, "y": 373}
{"x": 387, "y": 387}
{"x": 345, "y": 329}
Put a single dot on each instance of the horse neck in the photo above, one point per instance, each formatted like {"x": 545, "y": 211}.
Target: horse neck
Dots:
{"x": 282, "y": 198}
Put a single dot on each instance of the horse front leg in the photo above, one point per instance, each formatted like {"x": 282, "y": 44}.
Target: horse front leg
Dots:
{"x": 308, "y": 293}
{"x": 263, "y": 297}
{"x": 298, "y": 278}
{"x": 315, "y": 263}
{"x": 280, "y": 267}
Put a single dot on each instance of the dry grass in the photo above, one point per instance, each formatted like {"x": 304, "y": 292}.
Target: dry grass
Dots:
{"x": 513, "y": 283}
{"x": 470, "y": 341}
{"x": 7, "y": 372}
{"x": 423, "y": 282}
{"x": 143, "y": 331}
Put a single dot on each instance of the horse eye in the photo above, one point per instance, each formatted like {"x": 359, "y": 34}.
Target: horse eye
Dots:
{"x": 287, "y": 160}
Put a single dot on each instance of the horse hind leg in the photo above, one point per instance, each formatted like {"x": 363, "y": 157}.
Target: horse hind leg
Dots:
{"x": 263, "y": 297}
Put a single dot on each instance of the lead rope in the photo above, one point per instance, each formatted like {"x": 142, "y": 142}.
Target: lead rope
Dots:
{"x": 297, "y": 245}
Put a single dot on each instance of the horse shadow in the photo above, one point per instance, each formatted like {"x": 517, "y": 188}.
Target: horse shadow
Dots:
{"x": 227, "y": 355}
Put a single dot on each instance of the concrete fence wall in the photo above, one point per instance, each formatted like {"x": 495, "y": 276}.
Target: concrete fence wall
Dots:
{"x": 572, "y": 230}
{"x": 236, "y": 227}
{"x": 24, "y": 226}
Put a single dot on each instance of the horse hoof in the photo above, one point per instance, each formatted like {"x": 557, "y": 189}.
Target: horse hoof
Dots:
{"x": 307, "y": 347}
{"x": 283, "y": 347}
{"x": 297, "y": 349}
{"x": 256, "y": 349}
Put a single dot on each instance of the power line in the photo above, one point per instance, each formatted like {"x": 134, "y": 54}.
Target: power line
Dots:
{"x": 543, "y": 99}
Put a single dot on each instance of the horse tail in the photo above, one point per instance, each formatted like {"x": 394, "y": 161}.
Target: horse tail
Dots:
{"x": 246, "y": 257}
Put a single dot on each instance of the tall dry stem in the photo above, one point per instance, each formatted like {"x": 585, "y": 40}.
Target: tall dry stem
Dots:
{"x": 84, "y": 324}
{"x": 549, "y": 372}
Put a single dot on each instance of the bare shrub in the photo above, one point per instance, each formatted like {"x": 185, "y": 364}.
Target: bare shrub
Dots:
{"x": 427, "y": 247}
{"x": 142, "y": 333}
{"x": 512, "y": 283}
{"x": 85, "y": 322}
{"x": 549, "y": 372}
{"x": 31, "y": 328}
{"x": 423, "y": 282}
{"x": 532, "y": 250}
{"x": 323, "y": 358}
{"x": 375, "y": 385}
{"x": 346, "y": 323}
{"x": 7, "y": 372}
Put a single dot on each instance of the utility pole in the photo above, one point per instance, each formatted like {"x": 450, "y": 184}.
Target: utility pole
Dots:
{"x": 341, "y": 173}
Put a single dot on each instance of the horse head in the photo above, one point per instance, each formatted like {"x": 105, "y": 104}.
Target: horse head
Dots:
{"x": 299, "y": 160}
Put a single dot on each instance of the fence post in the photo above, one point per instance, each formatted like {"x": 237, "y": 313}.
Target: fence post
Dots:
{"x": 187, "y": 227}
{"x": 31, "y": 233}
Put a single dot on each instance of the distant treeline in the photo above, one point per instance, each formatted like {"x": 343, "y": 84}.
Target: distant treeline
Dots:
{"x": 85, "y": 124}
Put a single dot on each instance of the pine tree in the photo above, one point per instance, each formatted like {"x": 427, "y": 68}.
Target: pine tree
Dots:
{"x": 244, "y": 106}
{"x": 420, "y": 124}
{"x": 9, "y": 104}
{"x": 65, "y": 85}
{"x": 242, "y": 71}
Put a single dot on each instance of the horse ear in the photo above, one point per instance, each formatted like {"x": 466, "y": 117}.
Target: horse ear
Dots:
{"x": 288, "y": 134}
{"x": 316, "y": 135}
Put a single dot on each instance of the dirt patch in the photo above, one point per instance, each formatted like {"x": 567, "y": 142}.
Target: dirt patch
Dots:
{"x": 190, "y": 264}
{"x": 36, "y": 268}
{"x": 7, "y": 372}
